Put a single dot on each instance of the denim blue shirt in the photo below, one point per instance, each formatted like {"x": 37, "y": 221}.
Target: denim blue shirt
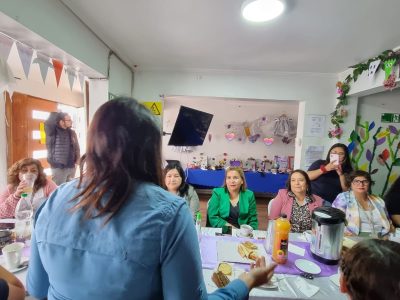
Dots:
{"x": 148, "y": 250}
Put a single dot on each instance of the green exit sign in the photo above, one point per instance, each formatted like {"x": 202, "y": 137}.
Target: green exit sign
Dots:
{"x": 390, "y": 118}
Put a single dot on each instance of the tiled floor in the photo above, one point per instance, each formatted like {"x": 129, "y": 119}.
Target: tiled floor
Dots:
{"x": 261, "y": 209}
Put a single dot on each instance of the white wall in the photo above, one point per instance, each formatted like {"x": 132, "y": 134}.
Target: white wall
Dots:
{"x": 316, "y": 91}
{"x": 230, "y": 111}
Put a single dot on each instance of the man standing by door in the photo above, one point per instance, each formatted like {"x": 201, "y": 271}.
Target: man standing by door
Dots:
{"x": 62, "y": 147}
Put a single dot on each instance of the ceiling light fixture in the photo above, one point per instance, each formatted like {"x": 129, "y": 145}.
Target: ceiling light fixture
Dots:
{"x": 261, "y": 10}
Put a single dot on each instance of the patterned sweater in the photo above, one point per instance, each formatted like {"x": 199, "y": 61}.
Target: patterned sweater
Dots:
{"x": 347, "y": 202}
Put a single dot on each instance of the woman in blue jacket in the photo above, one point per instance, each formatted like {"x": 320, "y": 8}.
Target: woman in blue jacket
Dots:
{"x": 115, "y": 233}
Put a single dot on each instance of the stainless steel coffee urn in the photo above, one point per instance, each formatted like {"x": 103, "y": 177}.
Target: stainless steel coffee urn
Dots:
{"x": 327, "y": 234}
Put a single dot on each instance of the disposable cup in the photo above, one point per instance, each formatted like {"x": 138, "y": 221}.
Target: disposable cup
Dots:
{"x": 12, "y": 255}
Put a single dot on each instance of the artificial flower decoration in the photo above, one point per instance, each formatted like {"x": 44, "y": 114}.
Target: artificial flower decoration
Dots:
{"x": 335, "y": 132}
{"x": 387, "y": 59}
{"x": 390, "y": 83}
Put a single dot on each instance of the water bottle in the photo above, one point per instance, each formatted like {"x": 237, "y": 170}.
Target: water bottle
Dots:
{"x": 281, "y": 240}
{"x": 270, "y": 237}
{"x": 198, "y": 225}
{"x": 23, "y": 216}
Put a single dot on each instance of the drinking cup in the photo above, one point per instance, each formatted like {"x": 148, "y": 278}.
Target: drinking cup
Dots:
{"x": 12, "y": 255}
{"x": 246, "y": 230}
{"x": 29, "y": 178}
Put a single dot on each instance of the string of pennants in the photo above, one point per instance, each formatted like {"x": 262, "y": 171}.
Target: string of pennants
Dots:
{"x": 45, "y": 63}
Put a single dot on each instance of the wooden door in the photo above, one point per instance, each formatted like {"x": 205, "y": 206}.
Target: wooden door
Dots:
{"x": 23, "y": 130}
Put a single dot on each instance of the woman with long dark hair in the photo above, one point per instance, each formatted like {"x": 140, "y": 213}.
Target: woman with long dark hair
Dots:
{"x": 175, "y": 183}
{"x": 328, "y": 177}
{"x": 115, "y": 233}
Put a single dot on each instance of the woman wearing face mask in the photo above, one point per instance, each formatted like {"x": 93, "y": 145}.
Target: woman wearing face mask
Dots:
{"x": 18, "y": 183}
{"x": 174, "y": 182}
{"x": 297, "y": 202}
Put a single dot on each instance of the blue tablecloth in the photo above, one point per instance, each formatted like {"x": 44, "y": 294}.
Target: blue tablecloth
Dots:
{"x": 256, "y": 182}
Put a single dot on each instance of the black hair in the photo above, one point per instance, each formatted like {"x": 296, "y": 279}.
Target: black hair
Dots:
{"x": 184, "y": 187}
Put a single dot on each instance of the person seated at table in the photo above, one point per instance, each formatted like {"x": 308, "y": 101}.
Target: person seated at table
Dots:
{"x": 11, "y": 287}
{"x": 115, "y": 233}
{"x": 392, "y": 200}
{"x": 366, "y": 214}
{"x": 10, "y": 196}
{"x": 296, "y": 201}
{"x": 328, "y": 177}
{"x": 174, "y": 182}
{"x": 370, "y": 270}
{"x": 233, "y": 204}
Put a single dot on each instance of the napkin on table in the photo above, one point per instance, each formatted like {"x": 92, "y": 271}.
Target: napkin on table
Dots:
{"x": 307, "y": 289}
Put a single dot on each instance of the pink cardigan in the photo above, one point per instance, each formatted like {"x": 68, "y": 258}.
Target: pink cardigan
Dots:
{"x": 8, "y": 202}
{"x": 282, "y": 203}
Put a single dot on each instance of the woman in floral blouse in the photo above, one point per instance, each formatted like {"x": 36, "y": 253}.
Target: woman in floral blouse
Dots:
{"x": 297, "y": 202}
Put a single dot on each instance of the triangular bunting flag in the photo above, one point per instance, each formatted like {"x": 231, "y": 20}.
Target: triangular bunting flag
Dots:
{"x": 44, "y": 65}
{"x": 71, "y": 76}
{"x": 7, "y": 80}
{"x": 58, "y": 66}
{"x": 81, "y": 78}
{"x": 25, "y": 54}
{"x": 5, "y": 46}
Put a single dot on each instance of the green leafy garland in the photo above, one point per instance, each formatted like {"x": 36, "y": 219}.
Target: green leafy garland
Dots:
{"x": 343, "y": 88}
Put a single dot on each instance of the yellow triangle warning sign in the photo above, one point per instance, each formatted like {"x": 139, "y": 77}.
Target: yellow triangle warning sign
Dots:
{"x": 155, "y": 107}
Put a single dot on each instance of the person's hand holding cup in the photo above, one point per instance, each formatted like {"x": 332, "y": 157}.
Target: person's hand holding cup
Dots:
{"x": 29, "y": 181}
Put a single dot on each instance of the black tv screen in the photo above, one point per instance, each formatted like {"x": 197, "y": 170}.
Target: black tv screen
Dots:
{"x": 190, "y": 128}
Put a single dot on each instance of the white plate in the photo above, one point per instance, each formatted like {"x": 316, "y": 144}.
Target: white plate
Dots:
{"x": 307, "y": 266}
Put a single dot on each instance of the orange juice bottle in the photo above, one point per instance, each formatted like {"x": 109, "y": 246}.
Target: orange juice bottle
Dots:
{"x": 281, "y": 240}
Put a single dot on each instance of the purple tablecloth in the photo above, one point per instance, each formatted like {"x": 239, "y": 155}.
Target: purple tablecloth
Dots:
{"x": 208, "y": 248}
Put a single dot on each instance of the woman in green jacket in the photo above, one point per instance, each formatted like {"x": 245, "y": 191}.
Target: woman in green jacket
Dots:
{"x": 233, "y": 204}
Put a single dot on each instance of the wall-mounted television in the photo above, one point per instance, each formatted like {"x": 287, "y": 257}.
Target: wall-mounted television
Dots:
{"x": 190, "y": 128}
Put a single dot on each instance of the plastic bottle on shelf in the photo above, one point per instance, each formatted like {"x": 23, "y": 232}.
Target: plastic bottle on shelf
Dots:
{"x": 198, "y": 225}
{"x": 23, "y": 215}
{"x": 281, "y": 240}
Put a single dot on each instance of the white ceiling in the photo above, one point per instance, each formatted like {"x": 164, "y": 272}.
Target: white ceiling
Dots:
{"x": 324, "y": 36}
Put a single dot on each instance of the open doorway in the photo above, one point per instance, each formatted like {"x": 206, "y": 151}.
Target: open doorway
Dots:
{"x": 25, "y": 116}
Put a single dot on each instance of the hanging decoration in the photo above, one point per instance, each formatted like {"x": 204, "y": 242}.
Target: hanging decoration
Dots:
{"x": 25, "y": 54}
{"x": 268, "y": 141}
{"x": 230, "y": 136}
{"x": 71, "y": 76}
{"x": 252, "y": 131}
{"x": 58, "y": 66}
{"x": 373, "y": 66}
{"x": 387, "y": 60}
{"x": 81, "y": 80}
{"x": 44, "y": 65}
{"x": 7, "y": 79}
{"x": 5, "y": 46}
